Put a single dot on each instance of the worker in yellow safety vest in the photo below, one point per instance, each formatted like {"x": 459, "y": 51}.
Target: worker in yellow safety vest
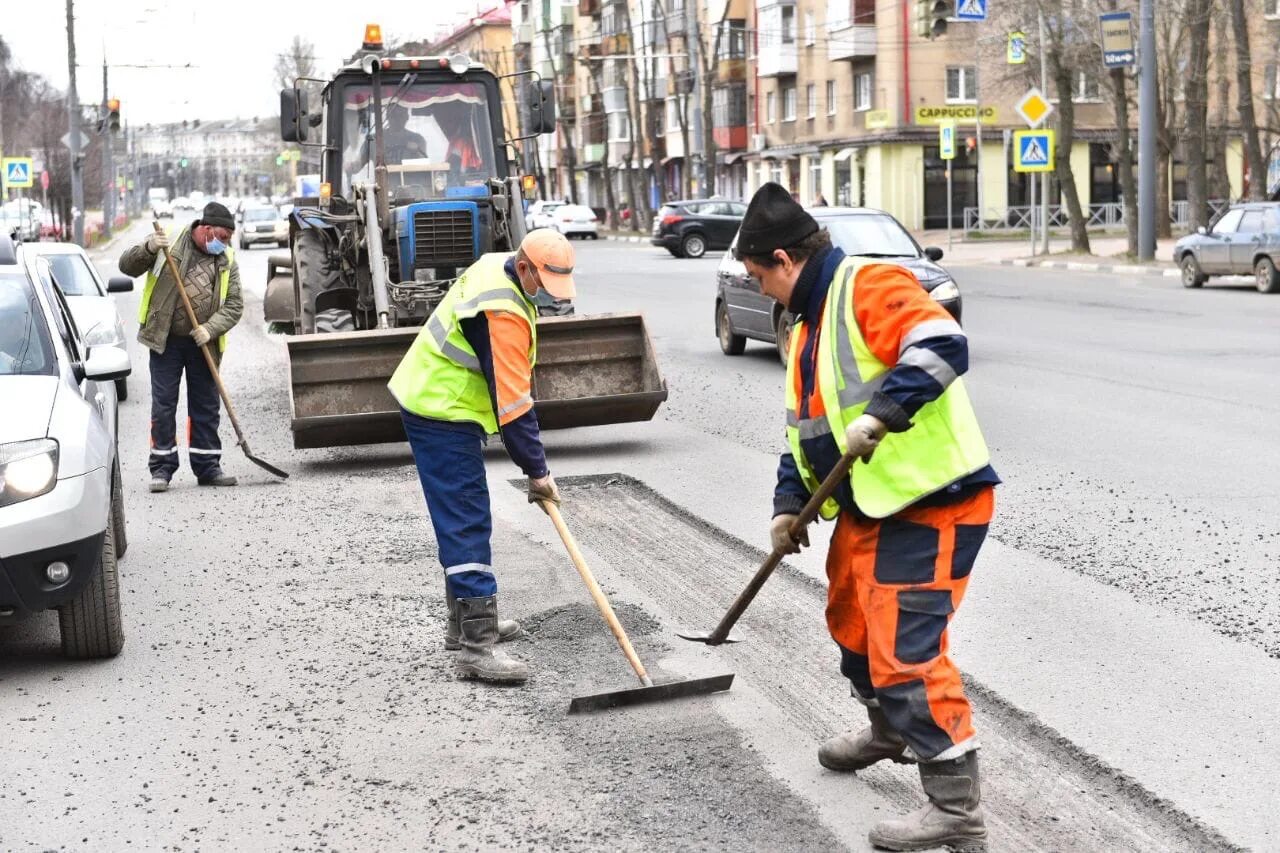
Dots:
{"x": 468, "y": 375}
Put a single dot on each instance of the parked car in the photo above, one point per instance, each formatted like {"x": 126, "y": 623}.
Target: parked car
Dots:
{"x": 22, "y": 218}
{"x": 539, "y": 213}
{"x": 688, "y": 229}
{"x": 161, "y": 209}
{"x": 263, "y": 224}
{"x": 62, "y": 525}
{"x": 90, "y": 298}
{"x": 182, "y": 203}
{"x": 743, "y": 311}
{"x": 1244, "y": 240}
{"x": 575, "y": 220}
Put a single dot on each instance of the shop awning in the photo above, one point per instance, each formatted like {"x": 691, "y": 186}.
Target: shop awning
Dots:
{"x": 666, "y": 160}
{"x": 732, "y": 157}
{"x": 844, "y": 154}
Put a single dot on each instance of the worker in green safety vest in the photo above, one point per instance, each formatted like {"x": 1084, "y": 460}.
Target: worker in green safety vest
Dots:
{"x": 874, "y": 372}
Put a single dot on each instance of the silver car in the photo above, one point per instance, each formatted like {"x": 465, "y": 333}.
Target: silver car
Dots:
{"x": 62, "y": 522}
{"x": 90, "y": 298}
{"x": 1244, "y": 240}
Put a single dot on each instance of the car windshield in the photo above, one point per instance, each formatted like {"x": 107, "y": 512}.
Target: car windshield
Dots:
{"x": 260, "y": 214}
{"x": 436, "y": 136}
{"x": 73, "y": 275}
{"x": 25, "y": 347}
{"x": 871, "y": 235}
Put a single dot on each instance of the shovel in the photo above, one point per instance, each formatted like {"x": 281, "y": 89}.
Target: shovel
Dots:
{"x": 213, "y": 367}
{"x": 647, "y": 691}
{"x": 740, "y": 604}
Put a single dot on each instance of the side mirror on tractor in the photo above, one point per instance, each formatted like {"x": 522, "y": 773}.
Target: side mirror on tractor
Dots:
{"x": 542, "y": 107}
{"x": 293, "y": 111}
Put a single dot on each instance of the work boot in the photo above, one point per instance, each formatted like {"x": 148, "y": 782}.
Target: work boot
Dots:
{"x": 952, "y": 817}
{"x": 217, "y": 478}
{"x": 508, "y": 629}
{"x": 478, "y": 621}
{"x": 857, "y": 750}
{"x": 159, "y": 484}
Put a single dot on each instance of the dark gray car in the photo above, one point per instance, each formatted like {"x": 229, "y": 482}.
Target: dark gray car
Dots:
{"x": 744, "y": 311}
{"x": 1245, "y": 240}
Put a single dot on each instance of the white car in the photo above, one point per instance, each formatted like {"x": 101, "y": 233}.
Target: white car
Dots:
{"x": 161, "y": 209}
{"x": 90, "y": 299}
{"x": 263, "y": 224}
{"x": 61, "y": 501}
{"x": 575, "y": 220}
{"x": 539, "y": 214}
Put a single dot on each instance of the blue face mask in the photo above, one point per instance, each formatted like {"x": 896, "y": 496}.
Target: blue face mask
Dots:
{"x": 215, "y": 246}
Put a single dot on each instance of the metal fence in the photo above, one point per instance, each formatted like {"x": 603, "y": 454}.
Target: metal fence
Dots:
{"x": 1108, "y": 215}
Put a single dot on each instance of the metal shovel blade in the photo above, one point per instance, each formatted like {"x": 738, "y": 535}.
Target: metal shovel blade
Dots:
{"x": 656, "y": 693}
{"x": 708, "y": 637}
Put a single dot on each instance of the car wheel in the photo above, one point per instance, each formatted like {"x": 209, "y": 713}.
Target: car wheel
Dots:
{"x": 1268, "y": 279}
{"x": 676, "y": 253}
{"x": 693, "y": 246}
{"x": 782, "y": 335}
{"x": 122, "y": 390}
{"x": 90, "y": 623}
{"x": 243, "y": 244}
{"x": 1191, "y": 273}
{"x": 283, "y": 244}
{"x": 730, "y": 344}
{"x": 117, "y": 509}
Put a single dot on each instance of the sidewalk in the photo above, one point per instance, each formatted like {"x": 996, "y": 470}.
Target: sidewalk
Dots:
{"x": 1108, "y": 253}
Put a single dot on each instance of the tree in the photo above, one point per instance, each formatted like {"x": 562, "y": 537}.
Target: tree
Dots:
{"x": 710, "y": 62}
{"x": 568, "y": 153}
{"x": 1065, "y": 49}
{"x": 298, "y": 61}
{"x": 1196, "y": 96}
{"x": 1244, "y": 94}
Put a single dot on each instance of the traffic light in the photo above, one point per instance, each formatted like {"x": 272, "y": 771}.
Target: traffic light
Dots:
{"x": 924, "y": 25}
{"x": 939, "y": 13}
{"x": 279, "y": 159}
{"x": 183, "y": 163}
{"x": 113, "y": 115}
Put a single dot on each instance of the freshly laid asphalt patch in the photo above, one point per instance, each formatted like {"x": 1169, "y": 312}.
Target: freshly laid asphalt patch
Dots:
{"x": 1040, "y": 792}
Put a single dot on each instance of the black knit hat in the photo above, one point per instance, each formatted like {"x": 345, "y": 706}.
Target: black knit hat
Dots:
{"x": 773, "y": 221}
{"x": 218, "y": 216}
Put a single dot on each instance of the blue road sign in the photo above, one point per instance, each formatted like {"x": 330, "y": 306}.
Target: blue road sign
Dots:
{"x": 18, "y": 173}
{"x": 1033, "y": 151}
{"x": 971, "y": 10}
{"x": 1118, "y": 50}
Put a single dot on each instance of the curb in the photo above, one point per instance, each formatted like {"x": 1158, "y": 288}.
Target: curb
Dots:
{"x": 624, "y": 239}
{"x": 1079, "y": 266}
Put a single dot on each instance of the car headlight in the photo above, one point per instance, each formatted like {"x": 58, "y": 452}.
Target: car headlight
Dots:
{"x": 105, "y": 335}
{"x": 27, "y": 469}
{"x": 945, "y": 291}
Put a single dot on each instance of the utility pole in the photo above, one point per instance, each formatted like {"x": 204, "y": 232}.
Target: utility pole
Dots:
{"x": 73, "y": 119}
{"x": 1044, "y": 176}
{"x": 1147, "y": 131}
{"x": 697, "y": 155}
{"x": 108, "y": 164}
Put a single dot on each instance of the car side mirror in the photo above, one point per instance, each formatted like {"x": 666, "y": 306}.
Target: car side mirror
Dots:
{"x": 1202, "y": 230}
{"x": 293, "y": 108}
{"x": 106, "y": 363}
{"x": 542, "y": 107}
{"x": 119, "y": 284}
{"x": 933, "y": 253}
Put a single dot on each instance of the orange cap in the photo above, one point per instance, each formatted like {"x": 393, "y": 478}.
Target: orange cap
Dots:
{"x": 551, "y": 253}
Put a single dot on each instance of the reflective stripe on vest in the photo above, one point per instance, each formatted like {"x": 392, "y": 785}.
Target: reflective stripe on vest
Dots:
{"x": 944, "y": 444}
{"x": 153, "y": 275}
{"x": 440, "y": 376}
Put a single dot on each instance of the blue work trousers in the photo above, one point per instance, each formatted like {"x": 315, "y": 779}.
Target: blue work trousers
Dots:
{"x": 451, "y": 467}
{"x": 181, "y": 355}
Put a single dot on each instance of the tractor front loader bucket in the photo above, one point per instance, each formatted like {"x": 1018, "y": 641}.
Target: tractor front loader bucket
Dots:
{"x": 591, "y": 371}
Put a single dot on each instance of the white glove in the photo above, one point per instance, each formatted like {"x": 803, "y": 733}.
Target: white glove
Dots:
{"x": 862, "y": 437}
{"x": 780, "y": 535}
{"x": 156, "y": 241}
{"x": 201, "y": 335}
{"x": 543, "y": 489}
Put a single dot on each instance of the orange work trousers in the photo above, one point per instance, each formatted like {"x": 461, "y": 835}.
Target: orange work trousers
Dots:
{"x": 894, "y": 585}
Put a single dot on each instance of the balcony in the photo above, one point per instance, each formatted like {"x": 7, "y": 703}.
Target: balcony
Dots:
{"x": 588, "y": 8}
{"x": 731, "y": 69}
{"x": 777, "y": 54}
{"x": 777, "y": 60}
{"x": 619, "y": 44}
{"x": 857, "y": 41}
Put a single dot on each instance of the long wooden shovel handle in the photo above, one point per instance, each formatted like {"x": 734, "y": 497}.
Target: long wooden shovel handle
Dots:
{"x": 606, "y": 609}
{"x": 740, "y": 604}
{"x": 204, "y": 348}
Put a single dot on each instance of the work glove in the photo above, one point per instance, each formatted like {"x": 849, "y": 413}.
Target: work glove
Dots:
{"x": 862, "y": 437}
{"x": 201, "y": 335}
{"x": 156, "y": 241}
{"x": 543, "y": 489}
{"x": 780, "y": 535}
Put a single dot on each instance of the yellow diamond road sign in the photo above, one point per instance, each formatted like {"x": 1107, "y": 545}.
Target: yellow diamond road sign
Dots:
{"x": 1034, "y": 107}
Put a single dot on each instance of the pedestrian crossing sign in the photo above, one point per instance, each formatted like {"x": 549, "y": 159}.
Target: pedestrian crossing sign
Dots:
{"x": 947, "y": 140}
{"x": 17, "y": 173}
{"x": 971, "y": 10}
{"x": 1033, "y": 151}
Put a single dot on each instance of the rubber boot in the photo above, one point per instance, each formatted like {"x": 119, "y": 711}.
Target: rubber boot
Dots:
{"x": 478, "y": 621}
{"x": 508, "y": 629}
{"x": 952, "y": 817}
{"x": 858, "y": 750}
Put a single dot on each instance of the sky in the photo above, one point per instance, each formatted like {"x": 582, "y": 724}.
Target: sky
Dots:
{"x": 220, "y": 56}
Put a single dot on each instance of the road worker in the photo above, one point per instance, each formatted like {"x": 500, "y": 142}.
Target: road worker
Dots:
{"x": 203, "y": 255}
{"x": 468, "y": 375}
{"x": 873, "y": 371}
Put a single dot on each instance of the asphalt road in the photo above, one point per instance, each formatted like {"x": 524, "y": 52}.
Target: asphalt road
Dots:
{"x": 283, "y": 684}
